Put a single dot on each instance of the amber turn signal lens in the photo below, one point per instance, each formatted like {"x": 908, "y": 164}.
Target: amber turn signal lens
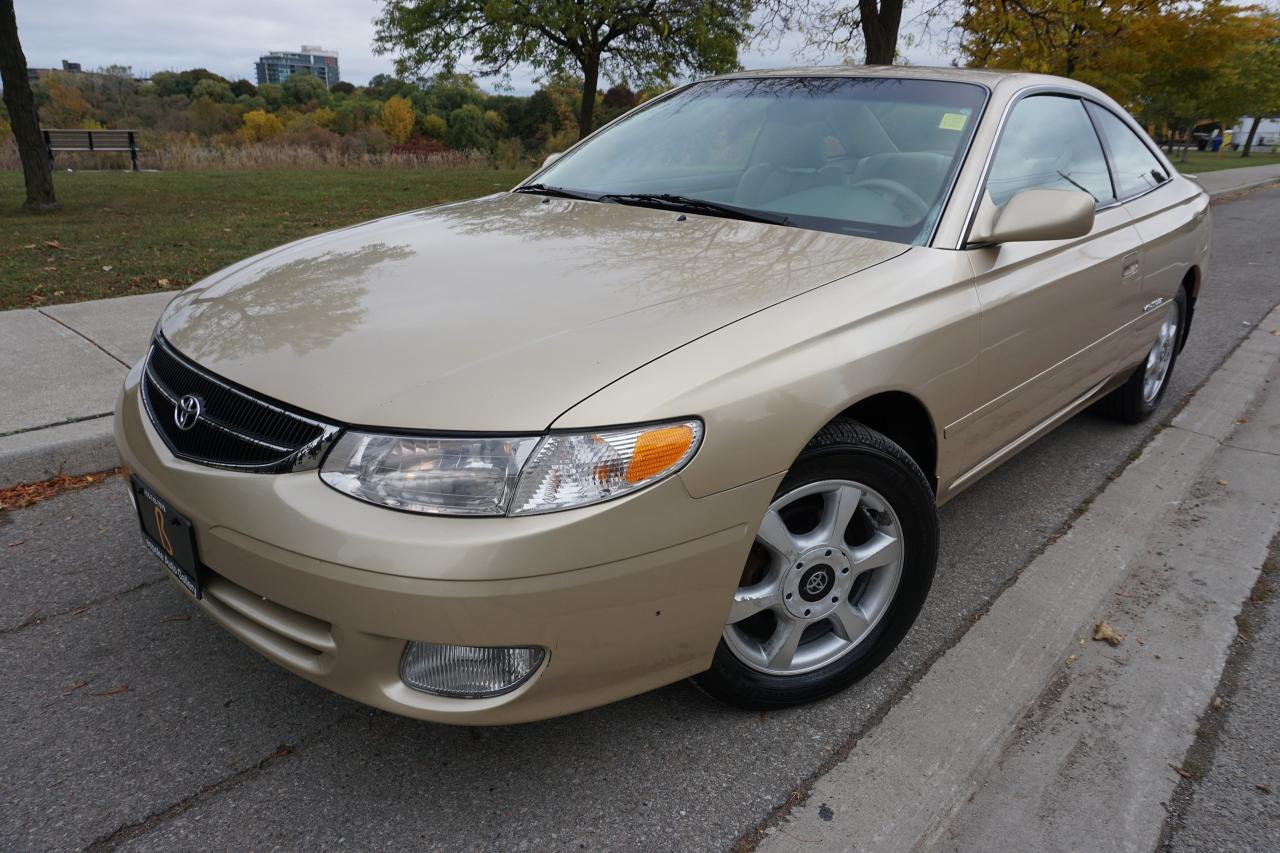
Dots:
{"x": 657, "y": 450}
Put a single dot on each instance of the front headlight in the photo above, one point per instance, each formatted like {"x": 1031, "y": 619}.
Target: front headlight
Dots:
{"x": 507, "y": 476}
{"x": 446, "y": 476}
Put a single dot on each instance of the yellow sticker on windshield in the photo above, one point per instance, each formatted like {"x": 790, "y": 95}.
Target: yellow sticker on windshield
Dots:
{"x": 953, "y": 121}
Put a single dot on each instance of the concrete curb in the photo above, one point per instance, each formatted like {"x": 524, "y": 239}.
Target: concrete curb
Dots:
{"x": 80, "y": 447}
{"x": 1252, "y": 185}
{"x": 902, "y": 784}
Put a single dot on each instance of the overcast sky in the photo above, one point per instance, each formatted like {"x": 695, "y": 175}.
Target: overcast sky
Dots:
{"x": 227, "y": 36}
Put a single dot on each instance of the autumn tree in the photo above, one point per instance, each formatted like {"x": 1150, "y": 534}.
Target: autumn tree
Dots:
{"x": 1166, "y": 60}
{"x": 1252, "y": 84}
{"x": 24, "y": 120}
{"x": 626, "y": 40}
{"x": 1186, "y": 56}
{"x": 1100, "y": 42}
{"x": 397, "y": 119}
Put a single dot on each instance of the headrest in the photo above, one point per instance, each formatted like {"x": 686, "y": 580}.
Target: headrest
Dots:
{"x": 792, "y": 146}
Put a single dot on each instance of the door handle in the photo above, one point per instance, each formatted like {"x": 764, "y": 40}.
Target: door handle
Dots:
{"x": 1130, "y": 264}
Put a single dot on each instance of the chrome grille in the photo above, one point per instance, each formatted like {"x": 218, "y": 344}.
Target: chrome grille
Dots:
{"x": 225, "y": 426}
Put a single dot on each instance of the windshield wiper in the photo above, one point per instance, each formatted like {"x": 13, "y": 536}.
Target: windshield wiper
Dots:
{"x": 558, "y": 192}
{"x": 695, "y": 205}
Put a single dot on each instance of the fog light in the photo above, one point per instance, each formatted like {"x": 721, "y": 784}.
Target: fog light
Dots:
{"x": 468, "y": 672}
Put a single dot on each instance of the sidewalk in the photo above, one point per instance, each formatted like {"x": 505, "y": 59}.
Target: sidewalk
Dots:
{"x": 1030, "y": 734}
{"x": 63, "y": 365}
{"x": 1227, "y": 181}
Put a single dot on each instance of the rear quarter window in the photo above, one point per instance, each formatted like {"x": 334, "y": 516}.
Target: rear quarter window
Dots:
{"x": 1134, "y": 167}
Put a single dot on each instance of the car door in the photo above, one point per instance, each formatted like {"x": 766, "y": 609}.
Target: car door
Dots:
{"x": 1050, "y": 309}
{"x": 1167, "y": 215}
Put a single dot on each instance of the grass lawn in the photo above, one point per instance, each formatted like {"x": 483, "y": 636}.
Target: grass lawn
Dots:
{"x": 1207, "y": 161}
{"x": 121, "y": 233}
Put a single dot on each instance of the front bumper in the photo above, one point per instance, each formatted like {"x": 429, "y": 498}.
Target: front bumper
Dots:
{"x": 626, "y": 596}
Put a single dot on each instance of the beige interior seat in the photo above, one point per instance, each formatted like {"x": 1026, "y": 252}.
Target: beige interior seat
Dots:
{"x": 788, "y": 158}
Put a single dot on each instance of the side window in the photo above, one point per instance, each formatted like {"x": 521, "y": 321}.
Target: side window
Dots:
{"x": 1049, "y": 142}
{"x": 1136, "y": 168}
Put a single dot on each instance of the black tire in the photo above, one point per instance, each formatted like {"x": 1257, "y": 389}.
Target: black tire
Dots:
{"x": 1128, "y": 403}
{"x": 846, "y": 449}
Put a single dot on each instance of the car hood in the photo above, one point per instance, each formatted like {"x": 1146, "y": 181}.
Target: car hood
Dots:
{"x": 494, "y": 314}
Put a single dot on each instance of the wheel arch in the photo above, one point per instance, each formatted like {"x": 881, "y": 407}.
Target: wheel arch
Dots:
{"x": 1191, "y": 284}
{"x": 904, "y": 419}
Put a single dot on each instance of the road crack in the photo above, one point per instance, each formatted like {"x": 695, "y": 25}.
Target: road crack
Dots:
{"x": 37, "y": 618}
{"x": 129, "y": 831}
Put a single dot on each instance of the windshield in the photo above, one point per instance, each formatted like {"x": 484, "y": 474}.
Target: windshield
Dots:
{"x": 854, "y": 155}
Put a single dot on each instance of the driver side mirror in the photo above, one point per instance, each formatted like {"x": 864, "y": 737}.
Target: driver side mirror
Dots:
{"x": 551, "y": 158}
{"x": 1034, "y": 214}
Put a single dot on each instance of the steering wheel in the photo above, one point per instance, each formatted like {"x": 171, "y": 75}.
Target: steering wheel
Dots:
{"x": 913, "y": 204}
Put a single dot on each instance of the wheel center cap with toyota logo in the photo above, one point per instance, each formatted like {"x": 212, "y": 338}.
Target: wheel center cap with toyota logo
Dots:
{"x": 188, "y": 411}
{"x": 816, "y": 582}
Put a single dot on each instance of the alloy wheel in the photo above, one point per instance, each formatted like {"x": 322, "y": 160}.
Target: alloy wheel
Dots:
{"x": 822, "y": 573}
{"x": 1161, "y": 357}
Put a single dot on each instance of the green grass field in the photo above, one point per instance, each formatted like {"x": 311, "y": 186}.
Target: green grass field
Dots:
{"x": 1207, "y": 161}
{"x": 121, "y": 233}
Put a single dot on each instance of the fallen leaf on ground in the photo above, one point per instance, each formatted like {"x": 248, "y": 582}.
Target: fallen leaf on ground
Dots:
{"x": 1107, "y": 634}
{"x": 163, "y": 282}
{"x": 26, "y": 494}
{"x": 1222, "y": 482}
{"x": 1186, "y": 774}
{"x": 123, "y": 688}
{"x": 53, "y": 244}
{"x": 73, "y": 688}
{"x": 1217, "y": 702}
{"x": 107, "y": 268}
{"x": 1071, "y": 659}
{"x": 1266, "y": 789}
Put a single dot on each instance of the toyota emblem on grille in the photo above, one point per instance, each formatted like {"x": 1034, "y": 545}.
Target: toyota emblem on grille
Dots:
{"x": 187, "y": 412}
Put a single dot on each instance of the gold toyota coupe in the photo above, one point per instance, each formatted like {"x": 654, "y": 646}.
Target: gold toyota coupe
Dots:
{"x": 683, "y": 403}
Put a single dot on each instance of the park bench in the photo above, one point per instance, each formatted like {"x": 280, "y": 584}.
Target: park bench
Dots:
{"x": 92, "y": 140}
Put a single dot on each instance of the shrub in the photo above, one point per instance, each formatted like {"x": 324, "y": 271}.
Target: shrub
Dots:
{"x": 435, "y": 126}
{"x": 260, "y": 126}
{"x": 467, "y": 131}
{"x": 510, "y": 154}
{"x": 419, "y": 145}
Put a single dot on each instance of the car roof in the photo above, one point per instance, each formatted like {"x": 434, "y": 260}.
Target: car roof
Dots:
{"x": 992, "y": 78}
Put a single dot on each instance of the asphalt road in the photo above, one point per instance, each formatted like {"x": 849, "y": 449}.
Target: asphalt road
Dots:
{"x": 212, "y": 746}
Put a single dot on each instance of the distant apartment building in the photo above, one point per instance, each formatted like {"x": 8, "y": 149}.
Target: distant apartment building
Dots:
{"x": 278, "y": 66}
